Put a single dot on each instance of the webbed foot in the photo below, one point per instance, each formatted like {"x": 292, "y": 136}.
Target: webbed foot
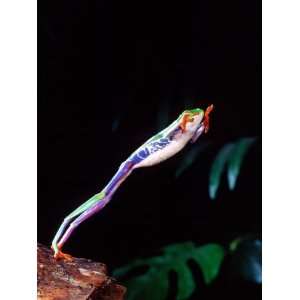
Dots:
{"x": 64, "y": 256}
{"x": 58, "y": 254}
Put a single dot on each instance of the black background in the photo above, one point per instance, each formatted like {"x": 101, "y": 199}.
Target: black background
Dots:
{"x": 105, "y": 73}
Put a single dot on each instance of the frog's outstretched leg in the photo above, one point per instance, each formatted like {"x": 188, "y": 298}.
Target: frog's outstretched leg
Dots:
{"x": 86, "y": 210}
{"x": 81, "y": 209}
{"x": 84, "y": 216}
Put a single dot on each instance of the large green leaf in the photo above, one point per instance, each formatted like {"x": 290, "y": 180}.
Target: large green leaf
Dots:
{"x": 217, "y": 169}
{"x": 154, "y": 283}
{"x": 235, "y": 160}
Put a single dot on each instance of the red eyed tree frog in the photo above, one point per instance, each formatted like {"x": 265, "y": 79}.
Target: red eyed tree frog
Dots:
{"x": 186, "y": 128}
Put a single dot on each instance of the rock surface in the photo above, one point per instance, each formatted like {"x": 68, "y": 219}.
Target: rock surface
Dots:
{"x": 80, "y": 279}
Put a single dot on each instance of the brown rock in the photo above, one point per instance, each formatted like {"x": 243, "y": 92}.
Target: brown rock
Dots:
{"x": 80, "y": 279}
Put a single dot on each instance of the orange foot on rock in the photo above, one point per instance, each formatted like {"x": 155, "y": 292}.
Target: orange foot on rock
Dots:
{"x": 60, "y": 255}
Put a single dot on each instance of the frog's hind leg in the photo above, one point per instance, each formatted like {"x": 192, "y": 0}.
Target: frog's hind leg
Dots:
{"x": 85, "y": 215}
{"x": 81, "y": 209}
{"x": 89, "y": 208}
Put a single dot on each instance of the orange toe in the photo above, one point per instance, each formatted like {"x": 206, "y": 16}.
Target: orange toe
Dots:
{"x": 64, "y": 256}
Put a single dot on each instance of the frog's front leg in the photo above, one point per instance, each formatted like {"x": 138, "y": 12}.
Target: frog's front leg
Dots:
{"x": 197, "y": 134}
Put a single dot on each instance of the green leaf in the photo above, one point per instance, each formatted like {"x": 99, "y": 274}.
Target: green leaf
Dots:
{"x": 209, "y": 257}
{"x": 236, "y": 159}
{"x": 154, "y": 283}
{"x": 148, "y": 287}
{"x": 217, "y": 169}
{"x": 230, "y": 156}
{"x": 234, "y": 244}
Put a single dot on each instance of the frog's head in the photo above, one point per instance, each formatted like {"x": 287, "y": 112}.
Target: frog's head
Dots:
{"x": 191, "y": 120}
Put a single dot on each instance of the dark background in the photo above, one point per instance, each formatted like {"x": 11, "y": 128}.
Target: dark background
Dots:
{"x": 109, "y": 77}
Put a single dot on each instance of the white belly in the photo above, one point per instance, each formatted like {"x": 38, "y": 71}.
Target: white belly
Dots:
{"x": 163, "y": 154}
